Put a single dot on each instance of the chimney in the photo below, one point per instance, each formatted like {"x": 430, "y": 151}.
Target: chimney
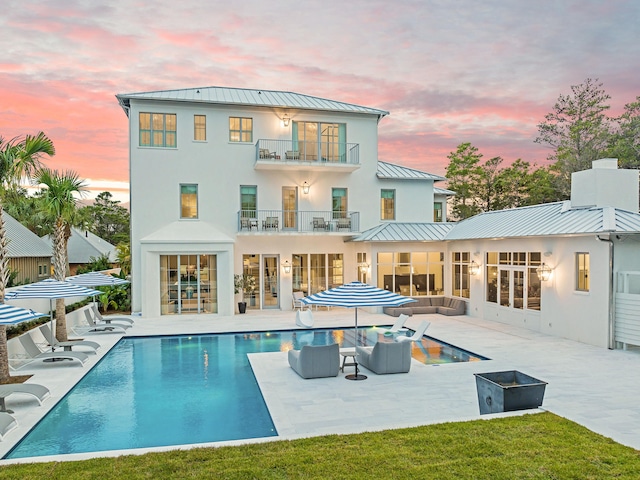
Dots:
{"x": 604, "y": 185}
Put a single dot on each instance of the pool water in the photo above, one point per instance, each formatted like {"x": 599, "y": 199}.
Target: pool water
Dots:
{"x": 177, "y": 390}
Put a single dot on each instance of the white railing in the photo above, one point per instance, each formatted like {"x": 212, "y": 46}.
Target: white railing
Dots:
{"x": 627, "y": 309}
{"x": 314, "y": 152}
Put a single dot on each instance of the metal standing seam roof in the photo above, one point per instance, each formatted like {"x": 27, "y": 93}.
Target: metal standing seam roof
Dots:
{"x": 22, "y": 241}
{"x": 405, "y": 232}
{"x": 546, "y": 220}
{"x": 249, "y": 97}
{"x": 393, "y": 171}
{"x": 443, "y": 191}
{"x": 83, "y": 245}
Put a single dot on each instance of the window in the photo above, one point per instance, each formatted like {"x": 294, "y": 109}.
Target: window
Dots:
{"x": 320, "y": 141}
{"x": 248, "y": 201}
{"x": 315, "y": 272}
{"x": 437, "y": 211}
{"x": 363, "y": 267}
{"x": 240, "y": 129}
{"x": 42, "y": 270}
{"x": 158, "y": 130}
{"x": 512, "y": 279}
{"x": 387, "y": 204}
{"x": 188, "y": 201}
{"x": 411, "y": 273}
{"x": 188, "y": 284}
{"x": 339, "y": 202}
{"x": 460, "y": 268}
{"x": 200, "y": 128}
{"x": 582, "y": 272}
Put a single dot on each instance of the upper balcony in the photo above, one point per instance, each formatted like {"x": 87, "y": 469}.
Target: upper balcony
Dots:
{"x": 322, "y": 156}
{"x": 296, "y": 221}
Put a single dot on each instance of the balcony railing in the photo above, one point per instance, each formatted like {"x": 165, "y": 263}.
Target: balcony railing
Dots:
{"x": 269, "y": 221}
{"x": 315, "y": 152}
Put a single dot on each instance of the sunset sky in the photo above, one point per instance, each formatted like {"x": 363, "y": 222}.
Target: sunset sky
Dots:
{"x": 484, "y": 72}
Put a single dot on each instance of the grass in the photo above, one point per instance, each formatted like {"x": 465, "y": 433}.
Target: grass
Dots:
{"x": 540, "y": 446}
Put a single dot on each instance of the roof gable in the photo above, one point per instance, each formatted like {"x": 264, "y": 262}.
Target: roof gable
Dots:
{"x": 22, "y": 241}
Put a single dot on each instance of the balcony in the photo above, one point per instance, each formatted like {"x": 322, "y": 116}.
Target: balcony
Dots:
{"x": 322, "y": 156}
{"x": 296, "y": 221}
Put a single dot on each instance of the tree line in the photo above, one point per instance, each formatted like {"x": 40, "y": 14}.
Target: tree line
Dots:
{"x": 577, "y": 131}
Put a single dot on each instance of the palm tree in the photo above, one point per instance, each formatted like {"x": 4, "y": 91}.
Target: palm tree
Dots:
{"x": 59, "y": 202}
{"x": 19, "y": 157}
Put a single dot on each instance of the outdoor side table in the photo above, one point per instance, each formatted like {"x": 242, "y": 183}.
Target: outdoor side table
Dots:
{"x": 348, "y": 353}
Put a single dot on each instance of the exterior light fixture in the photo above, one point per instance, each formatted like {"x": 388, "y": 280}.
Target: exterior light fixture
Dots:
{"x": 474, "y": 268}
{"x": 286, "y": 267}
{"x": 285, "y": 120}
{"x": 305, "y": 187}
{"x": 544, "y": 272}
{"x": 364, "y": 267}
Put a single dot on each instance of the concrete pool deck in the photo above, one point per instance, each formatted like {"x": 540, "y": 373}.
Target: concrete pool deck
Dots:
{"x": 594, "y": 387}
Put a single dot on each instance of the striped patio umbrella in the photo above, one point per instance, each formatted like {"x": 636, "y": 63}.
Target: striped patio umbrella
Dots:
{"x": 355, "y": 295}
{"x": 51, "y": 289}
{"x": 10, "y": 315}
{"x": 96, "y": 279}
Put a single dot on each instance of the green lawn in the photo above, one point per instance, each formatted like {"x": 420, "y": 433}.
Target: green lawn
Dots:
{"x": 528, "y": 446}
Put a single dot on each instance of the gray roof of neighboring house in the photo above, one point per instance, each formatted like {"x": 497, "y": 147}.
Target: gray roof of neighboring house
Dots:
{"x": 22, "y": 241}
{"x": 392, "y": 171}
{"x": 546, "y": 219}
{"x": 405, "y": 232}
{"x": 249, "y": 97}
{"x": 83, "y": 245}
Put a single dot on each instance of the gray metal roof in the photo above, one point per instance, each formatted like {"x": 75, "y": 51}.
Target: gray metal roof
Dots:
{"x": 22, "y": 241}
{"x": 249, "y": 97}
{"x": 405, "y": 232}
{"x": 393, "y": 171}
{"x": 547, "y": 219}
{"x": 443, "y": 191}
{"x": 83, "y": 245}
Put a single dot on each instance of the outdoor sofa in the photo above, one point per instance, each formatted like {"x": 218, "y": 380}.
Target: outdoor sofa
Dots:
{"x": 442, "y": 305}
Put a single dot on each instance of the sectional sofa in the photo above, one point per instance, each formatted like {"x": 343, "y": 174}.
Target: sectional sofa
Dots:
{"x": 443, "y": 305}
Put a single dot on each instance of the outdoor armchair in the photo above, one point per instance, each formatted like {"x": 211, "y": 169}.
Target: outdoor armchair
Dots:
{"x": 316, "y": 361}
{"x": 385, "y": 357}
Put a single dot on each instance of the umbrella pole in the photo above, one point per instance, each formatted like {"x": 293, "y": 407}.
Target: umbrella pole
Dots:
{"x": 356, "y": 376}
{"x": 53, "y": 335}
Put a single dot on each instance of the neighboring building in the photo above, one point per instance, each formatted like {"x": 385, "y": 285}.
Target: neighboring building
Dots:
{"x": 84, "y": 247}
{"x": 29, "y": 255}
{"x": 288, "y": 188}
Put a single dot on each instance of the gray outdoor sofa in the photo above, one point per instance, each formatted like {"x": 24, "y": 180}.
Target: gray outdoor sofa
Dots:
{"x": 316, "y": 361}
{"x": 442, "y": 305}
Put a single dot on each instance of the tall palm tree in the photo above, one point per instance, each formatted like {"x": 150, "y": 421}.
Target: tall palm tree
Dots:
{"x": 19, "y": 157}
{"x": 59, "y": 202}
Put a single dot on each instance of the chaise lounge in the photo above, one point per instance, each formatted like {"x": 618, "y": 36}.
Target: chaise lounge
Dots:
{"x": 442, "y": 305}
{"x": 39, "y": 392}
{"x": 316, "y": 361}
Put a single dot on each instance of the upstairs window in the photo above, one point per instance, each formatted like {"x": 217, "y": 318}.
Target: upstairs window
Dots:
{"x": 240, "y": 129}
{"x": 437, "y": 211}
{"x": 387, "y": 204}
{"x": 200, "y": 128}
{"x": 158, "y": 130}
{"x": 188, "y": 201}
{"x": 248, "y": 201}
{"x": 582, "y": 272}
{"x": 339, "y": 202}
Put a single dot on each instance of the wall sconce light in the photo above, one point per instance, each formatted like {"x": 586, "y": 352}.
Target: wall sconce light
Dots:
{"x": 364, "y": 267}
{"x": 305, "y": 188}
{"x": 474, "y": 268}
{"x": 286, "y": 267}
{"x": 544, "y": 272}
{"x": 285, "y": 120}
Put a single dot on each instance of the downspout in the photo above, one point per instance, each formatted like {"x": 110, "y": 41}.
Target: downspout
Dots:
{"x": 611, "y": 302}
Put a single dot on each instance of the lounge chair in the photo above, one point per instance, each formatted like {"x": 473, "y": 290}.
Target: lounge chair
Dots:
{"x": 38, "y": 391}
{"x": 343, "y": 223}
{"x": 295, "y": 301}
{"x": 304, "y": 318}
{"x": 395, "y": 328}
{"x": 417, "y": 336}
{"x": 127, "y": 322}
{"x": 319, "y": 223}
{"x": 386, "y": 357}
{"x": 292, "y": 155}
{"x": 316, "y": 361}
{"x": 67, "y": 346}
{"x": 93, "y": 327}
{"x": 271, "y": 223}
{"x": 7, "y": 423}
{"x": 34, "y": 353}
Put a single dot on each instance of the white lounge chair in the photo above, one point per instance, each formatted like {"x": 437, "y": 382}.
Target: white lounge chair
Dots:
{"x": 417, "y": 336}
{"x": 296, "y": 303}
{"x": 304, "y": 318}
{"x": 67, "y": 346}
{"x": 38, "y": 391}
{"x": 93, "y": 327}
{"x": 7, "y": 423}
{"x": 34, "y": 353}
{"x": 127, "y": 322}
{"x": 395, "y": 328}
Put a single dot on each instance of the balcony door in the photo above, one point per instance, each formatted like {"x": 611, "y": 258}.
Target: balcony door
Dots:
{"x": 290, "y": 208}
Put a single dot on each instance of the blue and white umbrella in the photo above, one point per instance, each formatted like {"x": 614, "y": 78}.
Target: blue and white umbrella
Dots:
{"x": 10, "y": 315}
{"x": 51, "y": 289}
{"x": 355, "y": 295}
{"x": 96, "y": 279}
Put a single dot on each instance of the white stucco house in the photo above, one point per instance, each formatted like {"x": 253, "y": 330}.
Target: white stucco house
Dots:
{"x": 288, "y": 189}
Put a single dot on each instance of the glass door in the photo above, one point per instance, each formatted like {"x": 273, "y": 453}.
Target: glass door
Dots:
{"x": 289, "y": 207}
{"x": 270, "y": 282}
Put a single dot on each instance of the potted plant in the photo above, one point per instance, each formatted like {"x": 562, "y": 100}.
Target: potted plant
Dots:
{"x": 243, "y": 284}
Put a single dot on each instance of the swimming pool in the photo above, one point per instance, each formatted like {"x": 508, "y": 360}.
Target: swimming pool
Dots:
{"x": 177, "y": 390}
